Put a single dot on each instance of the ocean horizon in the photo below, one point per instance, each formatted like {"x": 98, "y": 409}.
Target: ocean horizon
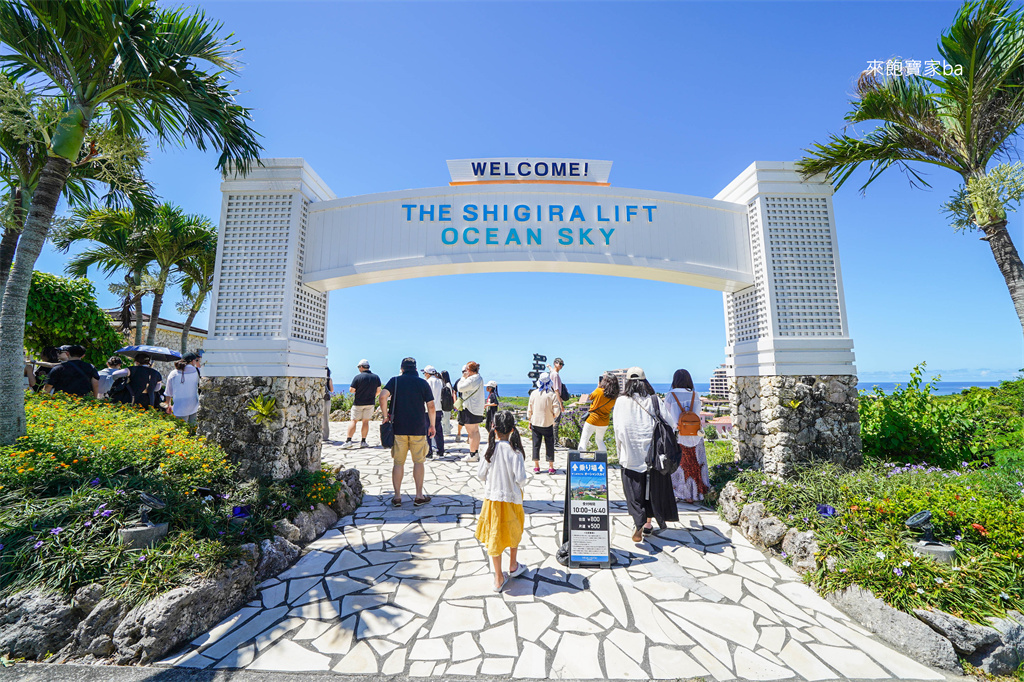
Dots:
{"x": 940, "y": 388}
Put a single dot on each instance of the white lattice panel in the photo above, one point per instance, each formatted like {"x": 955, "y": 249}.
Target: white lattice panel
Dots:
{"x": 254, "y": 266}
{"x": 803, "y": 266}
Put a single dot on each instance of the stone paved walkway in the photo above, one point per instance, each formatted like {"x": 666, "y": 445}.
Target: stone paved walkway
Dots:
{"x": 408, "y": 592}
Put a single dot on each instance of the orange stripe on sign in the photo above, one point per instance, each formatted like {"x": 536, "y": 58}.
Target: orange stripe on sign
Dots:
{"x": 529, "y": 182}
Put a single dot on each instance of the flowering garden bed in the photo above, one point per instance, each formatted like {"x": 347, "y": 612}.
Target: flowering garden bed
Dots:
{"x": 68, "y": 486}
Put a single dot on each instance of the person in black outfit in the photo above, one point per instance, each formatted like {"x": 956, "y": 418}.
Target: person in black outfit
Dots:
{"x": 492, "y": 403}
{"x": 366, "y": 386}
{"x": 142, "y": 386}
{"x": 413, "y": 416}
{"x": 73, "y": 375}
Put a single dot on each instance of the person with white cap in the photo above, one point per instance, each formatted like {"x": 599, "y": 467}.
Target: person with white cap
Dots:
{"x": 366, "y": 387}
{"x": 491, "y": 403}
{"x": 542, "y": 411}
{"x": 648, "y": 494}
{"x": 434, "y": 381}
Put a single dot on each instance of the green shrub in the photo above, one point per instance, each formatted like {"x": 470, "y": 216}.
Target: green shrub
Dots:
{"x": 342, "y": 402}
{"x": 862, "y": 537}
{"x": 75, "y": 479}
{"x": 64, "y": 310}
{"x": 910, "y": 425}
{"x": 710, "y": 433}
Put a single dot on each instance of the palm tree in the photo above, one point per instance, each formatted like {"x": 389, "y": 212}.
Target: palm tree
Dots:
{"x": 197, "y": 281}
{"x": 159, "y": 72}
{"x": 173, "y": 238}
{"x": 962, "y": 121}
{"x": 117, "y": 246}
{"x": 26, "y": 122}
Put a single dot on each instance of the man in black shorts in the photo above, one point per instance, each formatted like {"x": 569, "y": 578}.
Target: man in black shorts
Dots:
{"x": 366, "y": 386}
{"x": 73, "y": 375}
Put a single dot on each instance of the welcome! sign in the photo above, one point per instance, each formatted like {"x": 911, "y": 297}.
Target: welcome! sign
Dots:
{"x": 530, "y": 170}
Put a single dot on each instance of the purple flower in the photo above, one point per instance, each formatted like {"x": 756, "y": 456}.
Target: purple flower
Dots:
{"x": 142, "y": 558}
{"x": 310, "y": 507}
{"x": 784, "y": 555}
{"x": 107, "y": 513}
{"x": 95, "y": 483}
{"x": 87, "y": 524}
{"x": 842, "y": 570}
{"x": 56, "y": 531}
{"x": 99, "y": 509}
{"x": 195, "y": 556}
{"x": 1, "y": 547}
{"x": 898, "y": 571}
{"x": 958, "y": 537}
{"x": 37, "y": 545}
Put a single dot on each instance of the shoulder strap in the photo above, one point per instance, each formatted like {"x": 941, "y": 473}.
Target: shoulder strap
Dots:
{"x": 72, "y": 365}
{"x": 693, "y": 397}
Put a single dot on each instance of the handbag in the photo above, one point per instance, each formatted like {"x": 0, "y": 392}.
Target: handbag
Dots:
{"x": 387, "y": 429}
{"x": 689, "y": 421}
{"x": 460, "y": 402}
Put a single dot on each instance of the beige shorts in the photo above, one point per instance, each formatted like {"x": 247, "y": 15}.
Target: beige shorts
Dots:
{"x": 361, "y": 412}
{"x": 417, "y": 445}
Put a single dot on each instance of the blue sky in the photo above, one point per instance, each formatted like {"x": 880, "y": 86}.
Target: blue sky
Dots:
{"x": 681, "y": 96}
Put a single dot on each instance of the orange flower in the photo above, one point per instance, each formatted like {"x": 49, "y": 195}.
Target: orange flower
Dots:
{"x": 980, "y": 528}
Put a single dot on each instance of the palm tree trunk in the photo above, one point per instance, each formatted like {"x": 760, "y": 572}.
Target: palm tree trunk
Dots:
{"x": 1008, "y": 260}
{"x": 187, "y": 327}
{"x": 52, "y": 179}
{"x": 138, "y": 309}
{"x": 9, "y": 242}
{"x": 154, "y": 313}
{"x": 8, "y": 245}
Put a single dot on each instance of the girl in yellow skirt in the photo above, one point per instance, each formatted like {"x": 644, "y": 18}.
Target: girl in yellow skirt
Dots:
{"x": 500, "y": 525}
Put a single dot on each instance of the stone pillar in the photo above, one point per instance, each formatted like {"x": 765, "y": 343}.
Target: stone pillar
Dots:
{"x": 782, "y": 421}
{"x": 790, "y": 362}
{"x": 267, "y": 327}
{"x": 278, "y": 448}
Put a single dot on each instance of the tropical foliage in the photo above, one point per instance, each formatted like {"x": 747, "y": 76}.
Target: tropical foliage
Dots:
{"x": 75, "y": 479}
{"x": 964, "y": 121}
{"x": 858, "y": 518}
{"x": 139, "y": 68}
{"x": 64, "y": 311}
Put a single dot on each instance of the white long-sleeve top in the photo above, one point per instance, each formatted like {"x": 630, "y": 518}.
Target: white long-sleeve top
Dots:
{"x": 634, "y": 428}
{"x": 504, "y": 476}
{"x": 471, "y": 389}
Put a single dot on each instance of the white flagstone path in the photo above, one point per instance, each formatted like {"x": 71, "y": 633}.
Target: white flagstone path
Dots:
{"x": 407, "y": 591}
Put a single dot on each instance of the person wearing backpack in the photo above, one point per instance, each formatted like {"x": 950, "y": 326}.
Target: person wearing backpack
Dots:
{"x": 141, "y": 386}
{"x": 73, "y": 375}
{"x": 447, "y": 403}
{"x": 648, "y": 492}
{"x": 107, "y": 375}
{"x": 691, "y": 481}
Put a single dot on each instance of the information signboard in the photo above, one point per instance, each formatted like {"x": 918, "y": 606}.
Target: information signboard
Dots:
{"x": 587, "y": 497}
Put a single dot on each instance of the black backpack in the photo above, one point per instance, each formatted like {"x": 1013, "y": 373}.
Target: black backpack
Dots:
{"x": 447, "y": 399}
{"x": 563, "y": 393}
{"x": 121, "y": 391}
{"x": 664, "y": 453}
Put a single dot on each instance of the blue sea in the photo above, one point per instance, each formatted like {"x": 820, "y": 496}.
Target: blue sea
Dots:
{"x": 940, "y": 388}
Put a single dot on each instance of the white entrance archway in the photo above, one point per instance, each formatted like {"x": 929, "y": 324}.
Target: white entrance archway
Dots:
{"x": 767, "y": 241}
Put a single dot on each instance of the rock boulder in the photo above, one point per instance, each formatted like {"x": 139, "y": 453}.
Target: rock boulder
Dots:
{"x": 151, "y": 630}
{"x": 801, "y": 548}
{"x": 770, "y": 531}
{"x": 965, "y": 637}
{"x": 1007, "y": 655}
{"x": 900, "y": 629}
{"x": 34, "y": 623}
{"x": 730, "y": 502}
{"x": 275, "y": 556}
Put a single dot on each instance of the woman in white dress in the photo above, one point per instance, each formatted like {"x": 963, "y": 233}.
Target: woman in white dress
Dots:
{"x": 690, "y": 482}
